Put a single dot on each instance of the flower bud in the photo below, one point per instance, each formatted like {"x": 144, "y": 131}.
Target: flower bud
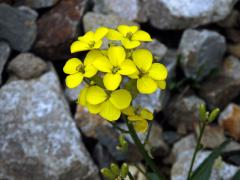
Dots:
{"x": 124, "y": 170}
{"x": 115, "y": 169}
{"x": 107, "y": 174}
{"x": 213, "y": 115}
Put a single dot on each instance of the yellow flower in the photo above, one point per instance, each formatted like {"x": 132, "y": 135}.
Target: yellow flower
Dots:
{"x": 150, "y": 75}
{"x": 108, "y": 105}
{"x": 115, "y": 65}
{"x": 138, "y": 117}
{"x": 130, "y": 36}
{"x": 78, "y": 70}
{"x": 91, "y": 40}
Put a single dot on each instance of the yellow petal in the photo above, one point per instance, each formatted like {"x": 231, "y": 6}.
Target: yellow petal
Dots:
{"x": 97, "y": 44}
{"x": 100, "y": 33}
{"x": 91, "y": 56}
{"x": 95, "y": 95}
{"x": 146, "y": 85}
{"x": 74, "y": 80}
{"x": 158, "y": 71}
{"x": 79, "y": 46}
{"x": 121, "y": 99}
{"x": 135, "y": 118}
{"x": 116, "y": 55}
{"x": 143, "y": 59}
{"x": 146, "y": 114}
{"x": 128, "y": 44}
{"x": 141, "y": 36}
{"x": 161, "y": 84}
{"x": 109, "y": 111}
{"x": 114, "y": 35}
{"x": 127, "y": 68}
{"x": 134, "y": 75}
{"x": 112, "y": 81}
{"x": 124, "y": 29}
{"x": 71, "y": 66}
{"x": 94, "y": 109}
{"x": 140, "y": 126}
{"x": 128, "y": 111}
{"x": 87, "y": 38}
{"x": 102, "y": 63}
{"x": 90, "y": 71}
{"x": 82, "y": 96}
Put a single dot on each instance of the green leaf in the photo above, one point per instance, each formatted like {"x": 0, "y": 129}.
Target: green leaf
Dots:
{"x": 205, "y": 168}
{"x": 236, "y": 176}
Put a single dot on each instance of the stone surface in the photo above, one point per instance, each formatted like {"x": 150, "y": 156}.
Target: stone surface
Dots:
{"x": 231, "y": 21}
{"x": 174, "y": 14}
{"x": 202, "y": 51}
{"x": 92, "y": 21}
{"x": 182, "y": 112}
{"x": 221, "y": 88}
{"x": 126, "y": 9}
{"x": 213, "y": 136}
{"x": 73, "y": 93}
{"x": 93, "y": 126}
{"x": 18, "y": 26}
{"x": 4, "y": 54}
{"x": 37, "y": 3}
{"x": 27, "y": 66}
{"x": 38, "y": 138}
{"x": 221, "y": 170}
{"x": 234, "y": 49}
{"x": 229, "y": 119}
{"x": 58, "y": 28}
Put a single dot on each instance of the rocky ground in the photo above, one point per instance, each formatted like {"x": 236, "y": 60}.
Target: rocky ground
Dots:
{"x": 44, "y": 134}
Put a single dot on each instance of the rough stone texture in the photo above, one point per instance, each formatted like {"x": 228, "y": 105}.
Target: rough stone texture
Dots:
{"x": 229, "y": 119}
{"x": 221, "y": 170}
{"x": 93, "y": 126}
{"x": 202, "y": 51}
{"x": 182, "y": 112}
{"x": 18, "y": 27}
{"x": 58, "y": 28}
{"x": 231, "y": 21}
{"x": 4, "y": 54}
{"x": 220, "y": 89}
{"x": 174, "y": 14}
{"x": 126, "y": 9}
{"x": 27, "y": 66}
{"x": 37, "y": 3}
{"x": 92, "y": 21}
{"x": 73, "y": 93}
{"x": 213, "y": 136}
{"x": 38, "y": 138}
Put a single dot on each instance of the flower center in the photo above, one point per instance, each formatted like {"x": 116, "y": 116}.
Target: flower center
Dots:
{"x": 115, "y": 69}
{"x": 129, "y": 35}
{"x": 91, "y": 44}
{"x": 80, "y": 68}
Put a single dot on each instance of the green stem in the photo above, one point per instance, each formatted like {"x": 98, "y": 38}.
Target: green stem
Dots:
{"x": 142, "y": 150}
{"x": 197, "y": 147}
{"x": 148, "y": 134}
{"x": 118, "y": 128}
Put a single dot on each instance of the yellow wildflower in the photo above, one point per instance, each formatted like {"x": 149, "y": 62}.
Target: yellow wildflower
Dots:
{"x": 150, "y": 75}
{"x": 108, "y": 105}
{"x": 115, "y": 65}
{"x": 78, "y": 70}
{"x": 91, "y": 40}
{"x": 130, "y": 36}
{"x": 138, "y": 117}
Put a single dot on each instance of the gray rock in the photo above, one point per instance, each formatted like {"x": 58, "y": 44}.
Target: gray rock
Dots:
{"x": 4, "y": 54}
{"x": 92, "y": 21}
{"x": 126, "y": 9}
{"x": 220, "y": 89}
{"x": 174, "y": 14}
{"x": 182, "y": 112}
{"x": 38, "y": 138}
{"x": 58, "y": 28}
{"x": 18, "y": 27}
{"x": 27, "y": 66}
{"x": 221, "y": 170}
{"x": 73, "y": 93}
{"x": 36, "y": 4}
{"x": 229, "y": 119}
{"x": 202, "y": 51}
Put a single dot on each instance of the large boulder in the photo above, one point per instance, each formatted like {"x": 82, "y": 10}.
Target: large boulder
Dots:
{"x": 175, "y": 14}
{"x": 38, "y": 137}
{"x": 4, "y": 54}
{"x": 18, "y": 26}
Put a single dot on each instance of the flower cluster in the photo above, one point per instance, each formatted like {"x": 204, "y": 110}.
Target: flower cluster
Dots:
{"x": 107, "y": 71}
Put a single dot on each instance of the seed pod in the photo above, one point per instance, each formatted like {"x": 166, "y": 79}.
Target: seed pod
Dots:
{"x": 213, "y": 115}
{"x": 202, "y": 112}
